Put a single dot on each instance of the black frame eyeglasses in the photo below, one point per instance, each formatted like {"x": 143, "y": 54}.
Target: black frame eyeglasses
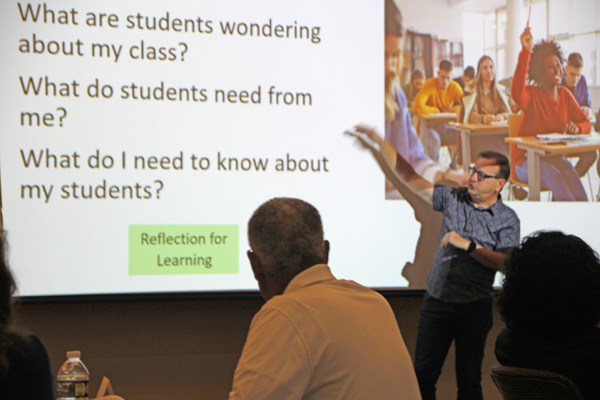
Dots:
{"x": 480, "y": 174}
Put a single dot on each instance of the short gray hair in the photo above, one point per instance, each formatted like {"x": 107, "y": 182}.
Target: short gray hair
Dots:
{"x": 287, "y": 236}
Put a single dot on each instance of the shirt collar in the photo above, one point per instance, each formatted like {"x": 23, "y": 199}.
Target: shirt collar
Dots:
{"x": 310, "y": 276}
{"x": 491, "y": 209}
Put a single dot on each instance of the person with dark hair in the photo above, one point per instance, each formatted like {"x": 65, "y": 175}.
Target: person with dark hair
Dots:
{"x": 550, "y": 302}
{"x": 316, "y": 337}
{"x": 399, "y": 130}
{"x": 575, "y": 81}
{"x": 438, "y": 95}
{"x": 446, "y": 65}
{"x": 477, "y": 231}
{"x": 466, "y": 79}
{"x": 410, "y": 89}
{"x": 25, "y": 372}
{"x": 548, "y": 108}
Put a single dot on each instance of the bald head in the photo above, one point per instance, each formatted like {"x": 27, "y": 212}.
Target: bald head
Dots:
{"x": 287, "y": 236}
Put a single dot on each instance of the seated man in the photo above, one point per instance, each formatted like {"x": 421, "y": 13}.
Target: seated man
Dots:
{"x": 574, "y": 80}
{"x": 550, "y": 302}
{"x": 317, "y": 337}
{"x": 466, "y": 80}
{"x": 438, "y": 95}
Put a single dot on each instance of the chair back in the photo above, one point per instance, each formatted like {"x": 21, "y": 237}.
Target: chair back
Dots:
{"x": 532, "y": 384}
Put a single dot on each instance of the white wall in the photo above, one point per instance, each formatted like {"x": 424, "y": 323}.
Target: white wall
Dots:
{"x": 425, "y": 15}
{"x": 473, "y": 37}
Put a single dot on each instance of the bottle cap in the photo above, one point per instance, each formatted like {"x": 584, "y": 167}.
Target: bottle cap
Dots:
{"x": 73, "y": 354}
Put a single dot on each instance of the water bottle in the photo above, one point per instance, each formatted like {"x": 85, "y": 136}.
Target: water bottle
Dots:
{"x": 72, "y": 379}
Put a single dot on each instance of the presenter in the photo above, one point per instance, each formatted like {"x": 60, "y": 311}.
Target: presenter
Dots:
{"x": 477, "y": 232}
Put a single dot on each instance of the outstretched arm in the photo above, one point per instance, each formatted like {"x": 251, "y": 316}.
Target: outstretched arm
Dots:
{"x": 396, "y": 169}
{"x": 420, "y": 103}
{"x": 518, "y": 85}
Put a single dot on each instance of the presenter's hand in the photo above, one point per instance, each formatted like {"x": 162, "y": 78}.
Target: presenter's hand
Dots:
{"x": 366, "y": 136}
{"x": 455, "y": 240}
{"x": 369, "y": 131}
{"x": 571, "y": 128}
{"x": 527, "y": 39}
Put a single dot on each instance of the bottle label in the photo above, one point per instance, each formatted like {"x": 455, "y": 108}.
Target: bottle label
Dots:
{"x": 77, "y": 389}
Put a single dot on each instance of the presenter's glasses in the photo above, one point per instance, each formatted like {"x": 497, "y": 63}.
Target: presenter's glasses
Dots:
{"x": 480, "y": 174}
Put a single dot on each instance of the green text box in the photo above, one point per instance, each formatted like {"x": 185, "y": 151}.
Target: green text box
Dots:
{"x": 183, "y": 249}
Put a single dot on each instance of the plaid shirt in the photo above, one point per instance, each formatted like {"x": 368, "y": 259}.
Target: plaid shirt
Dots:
{"x": 456, "y": 276}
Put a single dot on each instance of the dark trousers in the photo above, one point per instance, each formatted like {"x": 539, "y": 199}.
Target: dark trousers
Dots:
{"x": 441, "y": 322}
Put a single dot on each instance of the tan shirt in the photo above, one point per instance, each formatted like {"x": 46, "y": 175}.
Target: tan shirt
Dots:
{"x": 324, "y": 339}
{"x": 489, "y": 107}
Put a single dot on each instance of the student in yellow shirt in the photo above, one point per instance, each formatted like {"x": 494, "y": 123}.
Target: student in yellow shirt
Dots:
{"x": 438, "y": 95}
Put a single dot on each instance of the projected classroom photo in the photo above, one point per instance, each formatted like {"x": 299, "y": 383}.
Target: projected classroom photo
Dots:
{"x": 136, "y": 139}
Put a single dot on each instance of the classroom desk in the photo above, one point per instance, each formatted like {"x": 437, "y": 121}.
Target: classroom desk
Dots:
{"x": 427, "y": 120}
{"x": 537, "y": 150}
{"x": 468, "y": 131}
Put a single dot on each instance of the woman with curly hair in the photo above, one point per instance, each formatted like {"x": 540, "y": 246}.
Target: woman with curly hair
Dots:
{"x": 548, "y": 108}
{"x": 550, "y": 302}
{"x": 25, "y": 372}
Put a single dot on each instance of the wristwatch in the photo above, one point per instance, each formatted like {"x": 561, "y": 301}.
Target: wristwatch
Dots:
{"x": 472, "y": 246}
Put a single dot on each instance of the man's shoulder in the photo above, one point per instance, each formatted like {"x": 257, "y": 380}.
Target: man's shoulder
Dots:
{"x": 458, "y": 191}
{"x": 307, "y": 306}
{"x": 320, "y": 292}
{"x": 429, "y": 84}
{"x": 508, "y": 211}
{"x": 444, "y": 195}
{"x": 505, "y": 217}
{"x": 454, "y": 87}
